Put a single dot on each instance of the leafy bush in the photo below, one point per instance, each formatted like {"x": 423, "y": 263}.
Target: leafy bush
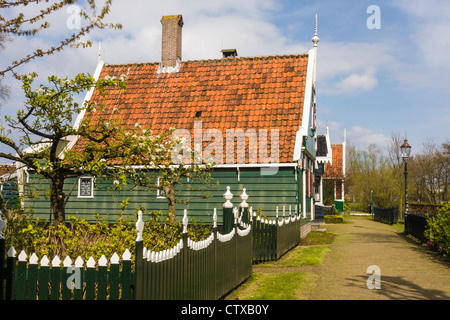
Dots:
{"x": 84, "y": 239}
{"x": 334, "y": 219}
{"x": 438, "y": 231}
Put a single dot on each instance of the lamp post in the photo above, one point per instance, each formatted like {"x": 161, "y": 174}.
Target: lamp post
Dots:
{"x": 406, "y": 152}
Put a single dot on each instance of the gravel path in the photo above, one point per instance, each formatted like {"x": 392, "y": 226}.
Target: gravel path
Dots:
{"x": 407, "y": 270}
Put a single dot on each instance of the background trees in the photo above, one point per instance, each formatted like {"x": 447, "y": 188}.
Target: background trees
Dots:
{"x": 45, "y": 122}
{"x": 430, "y": 174}
{"x": 369, "y": 169}
{"x": 45, "y": 127}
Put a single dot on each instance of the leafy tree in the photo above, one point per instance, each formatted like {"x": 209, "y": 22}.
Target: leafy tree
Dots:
{"x": 100, "y": 145}
{"x": 430, "y": 173}
{"x": 20, "y": 25}
{"x": 368, "y": 170}
{"x": 150, "y": 162}
{"x": 4, "y": 90}
{"x": 45, "y": 128}
{"x": 183, "y": 162}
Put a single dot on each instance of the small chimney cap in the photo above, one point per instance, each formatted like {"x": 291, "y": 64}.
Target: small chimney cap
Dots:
{"x": 229, "y": 53}
{"x": 177, "y": 17}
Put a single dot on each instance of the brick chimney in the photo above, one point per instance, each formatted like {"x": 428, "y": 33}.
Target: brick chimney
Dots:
{"x": 171, "y": 43}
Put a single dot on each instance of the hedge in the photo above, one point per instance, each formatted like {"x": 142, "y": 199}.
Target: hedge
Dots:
{"x": 334, "y": 219}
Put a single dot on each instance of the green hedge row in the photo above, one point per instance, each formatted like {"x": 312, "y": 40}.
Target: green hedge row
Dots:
{"x": 334, "y": 219}
{"x": 81, "y": 238}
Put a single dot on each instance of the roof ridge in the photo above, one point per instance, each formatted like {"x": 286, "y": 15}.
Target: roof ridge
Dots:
{"x": 234, "y": 59}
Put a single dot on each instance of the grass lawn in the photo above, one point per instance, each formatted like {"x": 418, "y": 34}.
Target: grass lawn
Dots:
{"x": 289, "y": 278}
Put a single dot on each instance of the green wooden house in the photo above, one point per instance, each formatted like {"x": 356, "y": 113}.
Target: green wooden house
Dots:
{"x": 259, "y": 114}
{"x": 330, "y": 173}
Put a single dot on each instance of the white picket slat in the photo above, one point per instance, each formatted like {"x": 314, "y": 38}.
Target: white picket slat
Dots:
{"x": 34, "y": 259}
{"x": 56, "y": 262}
{"x": 44, "y": 261}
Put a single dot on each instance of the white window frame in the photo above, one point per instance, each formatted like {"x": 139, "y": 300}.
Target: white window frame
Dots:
{"x": 92, "y": 187}
{"x": 159, "y": 193}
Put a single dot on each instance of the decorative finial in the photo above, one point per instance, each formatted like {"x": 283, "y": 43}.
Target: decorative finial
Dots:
{"x": 139, "y": 226}
{"x": 185, "y": 221}
{"x": 228, "y": 196}
{"x": 315, "y": 39}
{"x": 244, "y": 197}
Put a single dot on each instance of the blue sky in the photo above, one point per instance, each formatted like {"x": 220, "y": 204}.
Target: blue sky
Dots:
{"x": 371, "y": 82}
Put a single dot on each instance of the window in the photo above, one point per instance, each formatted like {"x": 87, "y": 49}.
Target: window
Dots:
{"x": 160, "y": 194}
{"x": 86, "y": 187}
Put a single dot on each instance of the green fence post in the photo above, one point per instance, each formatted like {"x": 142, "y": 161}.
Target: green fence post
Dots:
{"x": 2, "y": 266}
{"x": 185, "y": 253}
{"x": 113, "y": 277}
{"x": 215, "y": 271}
{"x": 235, "y": 244}
{"x": 78, "y": 287}
{"x": 102, "y": 278}
{"x": 227, "y": 212}
{"x": 243, "y": 207}
{"x": 66, "y": 274}
{"x": 139, "y": 263}
{"x": 55, "y": 278}
{"x": 32, "y": 277}
{"x": 126, "y": 276}
{"x": 90, "y": 279}
{"x": 10, "y": 269}
{"x": 21, "y": 276}
{"x": 43, "y": 278}
{"x": 2, "y": 257}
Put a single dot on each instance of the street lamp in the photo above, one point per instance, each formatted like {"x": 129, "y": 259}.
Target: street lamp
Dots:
{"x": 406, "y": 152}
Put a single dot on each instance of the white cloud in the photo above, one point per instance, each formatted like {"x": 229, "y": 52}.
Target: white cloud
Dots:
{"x": 362, "y": 137}
{"x": 358, "y": 82}
{"x": 350, "y": 67}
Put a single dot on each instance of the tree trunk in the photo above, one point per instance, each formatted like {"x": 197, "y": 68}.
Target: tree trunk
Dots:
{"x": 3, "y": 208}
{"x": 170, "y": 195}
{"x": 57, "y": 199}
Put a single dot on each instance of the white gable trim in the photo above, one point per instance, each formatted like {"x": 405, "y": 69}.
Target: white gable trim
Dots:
{"x": 74, "y": 139}
{"x": 303, "y": 130}
{"x": 329, "y": 157}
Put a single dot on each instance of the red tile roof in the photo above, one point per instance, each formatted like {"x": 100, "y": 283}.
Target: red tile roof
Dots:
{"x": 336, "y": 170}
{"x": 233, "y": 93}
{"x": 7, "y": 168}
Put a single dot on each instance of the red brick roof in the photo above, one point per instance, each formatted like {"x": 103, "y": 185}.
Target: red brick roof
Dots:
{"x": 336, "y": 170}
{"x": 233, "y": 93}
{"x": 6, "y": 168}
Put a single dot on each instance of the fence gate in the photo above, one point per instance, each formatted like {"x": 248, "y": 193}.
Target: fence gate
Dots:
{"x": 203, "y": 270}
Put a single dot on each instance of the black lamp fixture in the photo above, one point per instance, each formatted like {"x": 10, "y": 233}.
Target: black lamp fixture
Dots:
{"x": 405, "y": 149}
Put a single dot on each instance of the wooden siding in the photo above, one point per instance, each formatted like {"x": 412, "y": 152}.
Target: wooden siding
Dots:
{"x": 10, "y": 193}
{"x": 266, "y": 192}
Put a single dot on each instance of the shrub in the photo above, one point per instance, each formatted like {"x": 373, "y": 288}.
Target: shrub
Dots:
{"x": 84, "y": 239}
{"x": 438, "y": 231}
{"x": 334, "y": 219}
